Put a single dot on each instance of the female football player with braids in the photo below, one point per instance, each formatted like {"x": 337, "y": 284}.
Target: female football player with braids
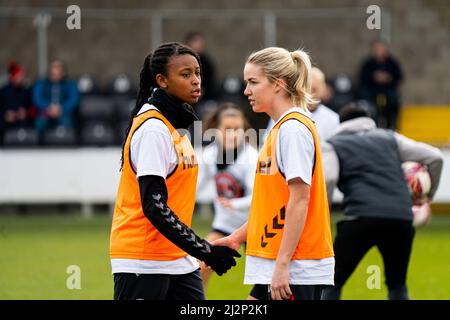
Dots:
{"x": 289, "y": 245}
{"x": 153, "y": 248}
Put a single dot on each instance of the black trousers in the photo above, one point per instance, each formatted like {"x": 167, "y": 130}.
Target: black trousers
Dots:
{"x": 299, "y": 292}
{"x": 355, "y": 238}
{"x": 387, "y": 104}
{"x": 129, "y": 286}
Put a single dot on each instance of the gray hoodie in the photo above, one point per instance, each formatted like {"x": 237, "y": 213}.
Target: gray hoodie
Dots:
{"x": 409, "y": 150}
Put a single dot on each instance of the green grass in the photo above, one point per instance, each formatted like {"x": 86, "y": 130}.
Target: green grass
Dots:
{"x": 36, "y": 251}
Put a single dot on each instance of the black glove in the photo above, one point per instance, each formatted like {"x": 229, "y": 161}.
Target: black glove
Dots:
{"x": 220, "y": 259}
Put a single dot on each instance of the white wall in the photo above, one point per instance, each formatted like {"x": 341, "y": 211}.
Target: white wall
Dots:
{"x": 90, "y": 176}
{"x": 53, "y": 176}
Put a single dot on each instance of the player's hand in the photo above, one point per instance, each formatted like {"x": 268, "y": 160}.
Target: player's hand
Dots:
{"x": 203, "y": 265}
{"x": 280, "y": 289}
{"x": 421, "y": 201}
{"x": 224, "y": 202}
{"x": 228, "y": 241}
{"x": 421, "y": 214}
{"x": 221, "y": 259}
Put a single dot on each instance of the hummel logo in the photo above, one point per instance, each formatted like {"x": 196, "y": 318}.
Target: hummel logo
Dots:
{"x": 277, "y": 224}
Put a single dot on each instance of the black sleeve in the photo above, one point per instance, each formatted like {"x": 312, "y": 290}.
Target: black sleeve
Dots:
{"x": 153, "y": 193}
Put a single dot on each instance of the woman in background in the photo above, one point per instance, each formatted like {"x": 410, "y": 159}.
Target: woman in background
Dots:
{"x": 230, "y": 162}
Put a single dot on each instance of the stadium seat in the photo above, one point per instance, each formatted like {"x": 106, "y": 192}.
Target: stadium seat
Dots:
{"x": 59, "y": 137}
{"x": 232, "y": 85}
{"x": 123, "y": 107}
{"x": 120, "y": 131}
{"x": 87, "y": 85}
{"x": 20, "y": 137}
{"x": 97, "y": 133}
{"x": 343, "y": 91}
{"x": 232, "y": 90}
{"x": 204, "y": 107}
{"x": 121, "y": 85}
{"x": 96, "y": 108}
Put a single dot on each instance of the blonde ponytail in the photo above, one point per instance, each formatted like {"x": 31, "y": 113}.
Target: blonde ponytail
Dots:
{"x": 302, "y": 87}
{"x": 292, "y": 67}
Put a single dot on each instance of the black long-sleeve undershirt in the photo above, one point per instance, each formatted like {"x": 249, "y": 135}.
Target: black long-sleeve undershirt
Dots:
{"x": 153, "y": 193}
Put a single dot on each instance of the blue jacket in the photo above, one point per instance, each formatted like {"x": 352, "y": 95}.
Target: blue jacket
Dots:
{"x": 64, "y": 92}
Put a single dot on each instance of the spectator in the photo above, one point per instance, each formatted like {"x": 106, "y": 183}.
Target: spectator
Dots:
{"x": 365, "y": 163}
{"x": 196, "y": 41}
{"x": 56, "y": 98}
{"x": 380, "y": 76}
{"x": 15, "y": 99}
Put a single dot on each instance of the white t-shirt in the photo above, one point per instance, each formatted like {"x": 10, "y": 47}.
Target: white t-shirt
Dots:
{"x": 235, "y": 182}
{"x": 153, "y": 153}
{"x": 295, "y": 156}
{"x": 326, "y": 121}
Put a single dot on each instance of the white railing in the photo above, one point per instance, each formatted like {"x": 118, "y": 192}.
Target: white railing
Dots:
{"x": 90, "y": 176}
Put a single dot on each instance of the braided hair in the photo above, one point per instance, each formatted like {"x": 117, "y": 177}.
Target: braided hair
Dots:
{"x": 155, "y": 63}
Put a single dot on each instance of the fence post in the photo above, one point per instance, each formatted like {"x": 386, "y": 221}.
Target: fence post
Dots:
{"x": 270, "y": 29}
{"x": 41, "y": 22}
{"x": 156, "y": 30}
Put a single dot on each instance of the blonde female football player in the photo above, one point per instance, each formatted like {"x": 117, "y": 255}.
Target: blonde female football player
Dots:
{"x": 289, "y": 246}
{"x": 153, "y": 248}
{"x": 230, "y": 162}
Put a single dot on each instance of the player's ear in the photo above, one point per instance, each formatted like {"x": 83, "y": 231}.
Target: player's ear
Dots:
{"x": 280, "y": 84}
{"x": 161, "y": 81}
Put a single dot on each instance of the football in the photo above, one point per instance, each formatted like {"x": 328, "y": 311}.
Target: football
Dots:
{"x": 419, "y": 184}
{"x": 417, "y": 178}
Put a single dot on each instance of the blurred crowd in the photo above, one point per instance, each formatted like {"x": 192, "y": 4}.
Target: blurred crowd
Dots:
{"x": 59, "y": 111}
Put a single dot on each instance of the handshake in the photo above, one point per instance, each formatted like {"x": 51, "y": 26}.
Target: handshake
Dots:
{"x": 221, "y": 258}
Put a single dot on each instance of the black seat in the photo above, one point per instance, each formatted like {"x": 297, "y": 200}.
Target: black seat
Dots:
{"x": 20, "y": 137}
{"x": 123, "y": 107}
{"x": 120, "y": 131}
{"x": 87, "y": 85}
{"x": 59, "y": 137}
{"x": 121, "y": 85}
{"x": 232, "y": 90}
{"x": 97, "y": 133}
{"x": 343, "y": 91}
{"x": 232, "y": 85}
{"x": 204, "y": 107}
{"x": 96, "y": 108}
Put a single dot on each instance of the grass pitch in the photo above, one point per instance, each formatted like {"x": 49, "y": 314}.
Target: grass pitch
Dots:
{"x": 37, "y": 250}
